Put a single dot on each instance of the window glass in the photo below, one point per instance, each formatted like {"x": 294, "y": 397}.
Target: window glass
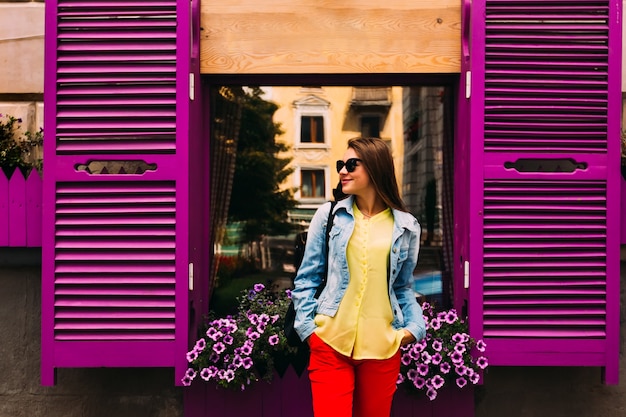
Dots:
{"x": 370, "y": 126}
{"x": 312, "y": 183}
{"x": 284, "y": 170}
{"x": 312, "y": 129}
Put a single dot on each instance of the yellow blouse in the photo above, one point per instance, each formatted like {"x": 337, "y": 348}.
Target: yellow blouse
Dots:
{"x": 362, "y": 329}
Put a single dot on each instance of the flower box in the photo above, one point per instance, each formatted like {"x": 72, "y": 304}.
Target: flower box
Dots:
{"x": 290, "y": 395}
{"x": 20, "y": 209}
{"x": 242, "y": 366}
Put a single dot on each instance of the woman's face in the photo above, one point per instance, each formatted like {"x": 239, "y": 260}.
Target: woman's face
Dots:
{"x": 357, "y": 181}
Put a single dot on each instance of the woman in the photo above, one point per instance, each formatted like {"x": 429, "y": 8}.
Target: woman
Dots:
{"x": 367, "y": 309}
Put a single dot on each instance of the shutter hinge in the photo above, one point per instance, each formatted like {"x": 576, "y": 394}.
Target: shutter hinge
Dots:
{"x": 190, "y": 276}
{"x": 192, "y": 86}
{"x": 468, "y": 84}
{"x": 466, "y": 275}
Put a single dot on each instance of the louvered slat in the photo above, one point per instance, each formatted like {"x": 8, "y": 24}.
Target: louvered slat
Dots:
{"x": 546, "y": 75}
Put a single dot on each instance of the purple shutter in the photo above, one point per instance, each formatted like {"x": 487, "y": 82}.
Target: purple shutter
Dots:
{"x": 544, "y": 182}
{"x": 114, "y": 245}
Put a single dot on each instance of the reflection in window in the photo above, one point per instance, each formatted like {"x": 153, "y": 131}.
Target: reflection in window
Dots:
{"x": 370, "y": 126}
{"x": 312, "y": 129}
{"x": 416, "y": 121}
{"x": 312, "y": 183}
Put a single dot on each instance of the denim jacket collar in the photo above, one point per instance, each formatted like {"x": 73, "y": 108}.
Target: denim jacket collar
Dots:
{"x": 402, "y": 219}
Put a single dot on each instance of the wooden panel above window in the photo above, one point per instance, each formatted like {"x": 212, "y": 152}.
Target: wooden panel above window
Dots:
{"x": 308, "y": 36}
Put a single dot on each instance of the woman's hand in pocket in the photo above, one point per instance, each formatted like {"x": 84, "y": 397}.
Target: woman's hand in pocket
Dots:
{"x": 407, "y": 337}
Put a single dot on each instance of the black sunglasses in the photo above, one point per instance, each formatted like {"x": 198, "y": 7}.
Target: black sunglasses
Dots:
{"x": 350, "y": 164}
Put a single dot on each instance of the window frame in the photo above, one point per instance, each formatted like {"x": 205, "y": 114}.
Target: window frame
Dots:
{"x": 312, "y": 106}
{"x": 325, "y": 169}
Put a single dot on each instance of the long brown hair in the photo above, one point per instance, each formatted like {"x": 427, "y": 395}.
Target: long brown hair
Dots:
{"x": 378, "y": 163}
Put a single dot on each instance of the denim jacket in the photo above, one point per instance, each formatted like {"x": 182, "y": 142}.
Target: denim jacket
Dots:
{"x": 402, "y": 261}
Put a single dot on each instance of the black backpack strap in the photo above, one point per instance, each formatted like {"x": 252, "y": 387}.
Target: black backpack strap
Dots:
{"x": 329, "y": 225}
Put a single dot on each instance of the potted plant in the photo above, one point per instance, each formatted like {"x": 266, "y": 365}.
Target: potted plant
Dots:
{"x": 239, "y": 350}
{"x": 16, "y": 148}
{"x": 444, "y": 357}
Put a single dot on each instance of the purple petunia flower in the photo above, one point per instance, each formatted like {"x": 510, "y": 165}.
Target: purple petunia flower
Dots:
{"x": 437, "y": 381}
{"x": 437, "y": 358}
{"x": 237, "y": 361}
{"x": 400, "y": 379}
{"x": 461, "y": 382}
{"x": 405, "y": 359}
{"x": 445, "y": 367}
{"x": 191, "y": 373}
{"x": 481, "y": 362}
{"x": 206, "y": 374}
{"x": 254, "y": 318}
{"x": 211, "y": 333}
{"x": 419, "y": 382}
{"x": 475, "y": 378}
{"x": 459, "y": 347}
{"x": 481, "y": 346}
{"x": 228, "y": 339}
{"x": 451, "y": 317}
{"x": 252, "y": 334}
{"x": 231, "y": 327}
{"x": 435, "y": 324}
{"x": 264, "y": 319}
{"x": 246, "y": 349}
{"x": 456, "y": 358}
{"x": 200, "y": 345}
{"x": 421, "y": 345}
{"x": 192, "y": 355}
{"x": 461, "y": 369}
{"x": 414, "y": 353}
{"x": 422, "y": 368}
{"x": 219, "y": 347}
{"x": 229, "y": 375}
{"x": 412, "y": 374}
{"x": 247, "y": 362}
{"x": 259, "y": 287}
{"x": 431, "y": 393}
{"x": 437, "y": 345}
{"x": 457, "y": 338}
{"x": 426, "y": 358}
{"x": 273, "y": 340}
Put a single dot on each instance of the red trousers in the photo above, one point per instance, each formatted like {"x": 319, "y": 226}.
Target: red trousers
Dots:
{"x": 344, "y": 387}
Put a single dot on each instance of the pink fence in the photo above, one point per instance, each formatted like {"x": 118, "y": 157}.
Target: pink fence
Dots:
{"x": 20, "y": 210}
{"x": 291, "y": 396}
